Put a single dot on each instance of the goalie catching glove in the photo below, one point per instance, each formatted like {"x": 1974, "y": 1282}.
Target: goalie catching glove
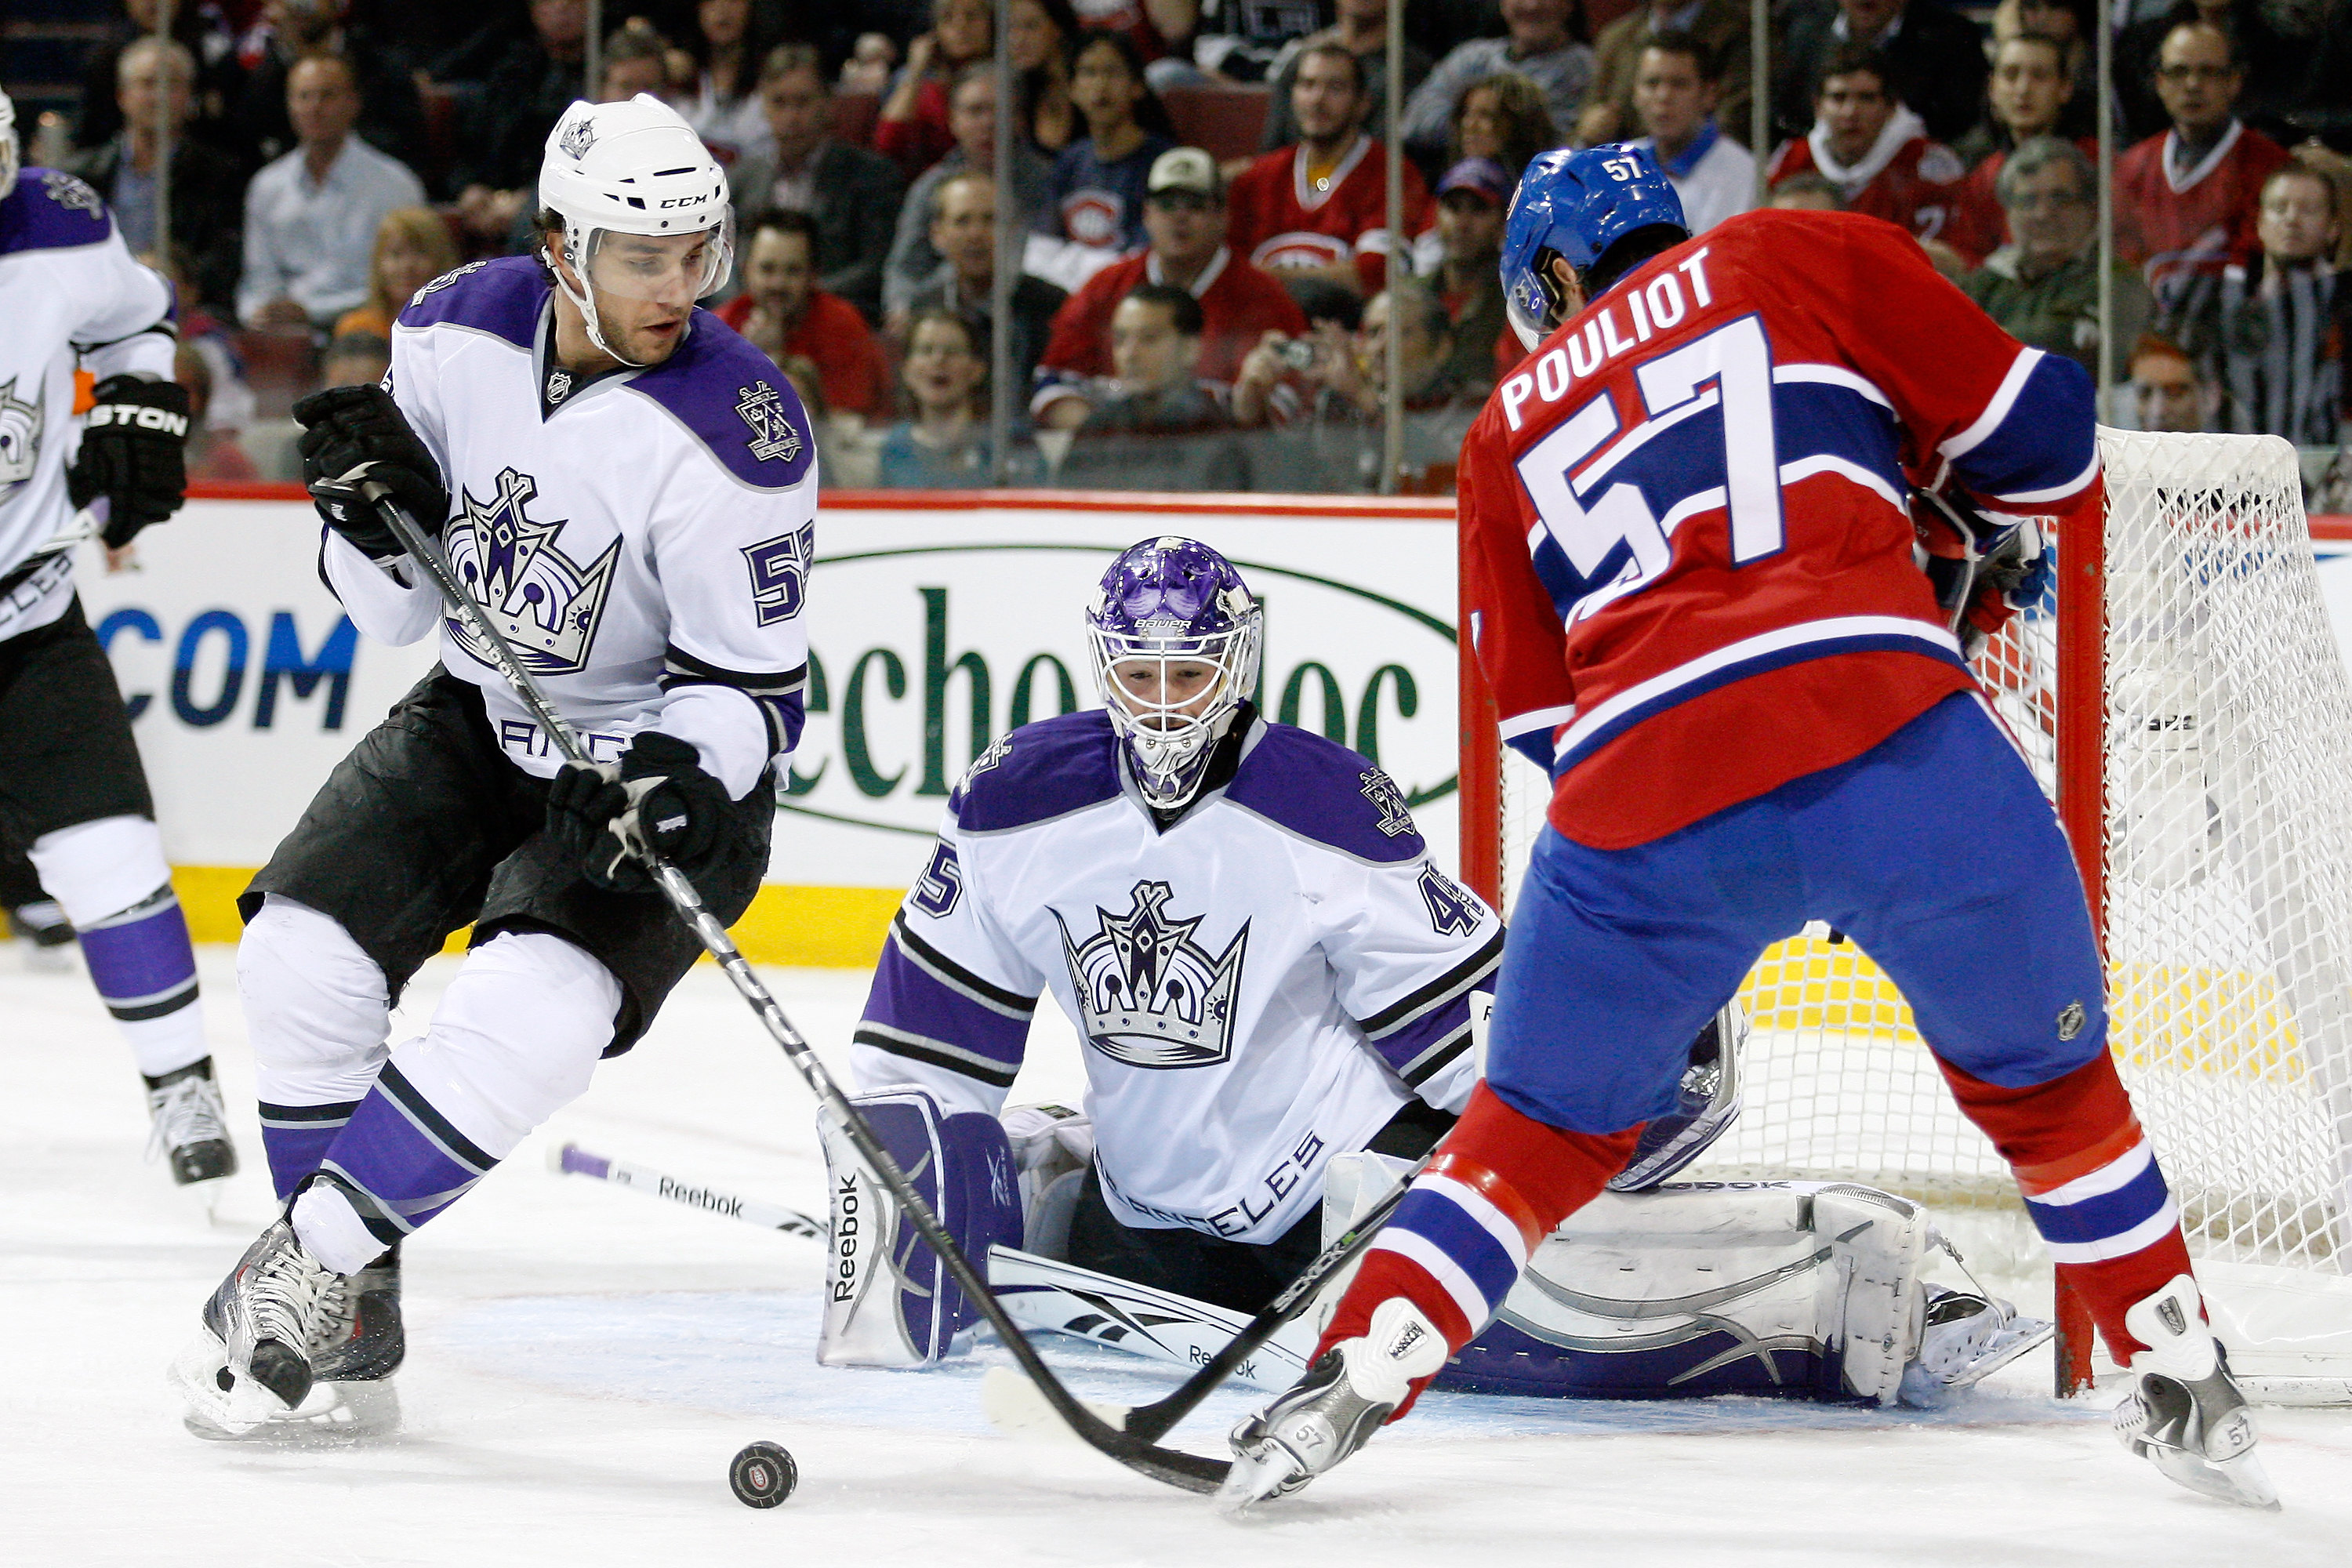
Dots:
{"x": 354, "y": 434}
{"x": 656, "y": 798}
{"x": 132, "y": 455}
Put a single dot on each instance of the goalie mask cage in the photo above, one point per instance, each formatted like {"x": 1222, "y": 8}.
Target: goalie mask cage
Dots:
{"x": 2180, "y": 695}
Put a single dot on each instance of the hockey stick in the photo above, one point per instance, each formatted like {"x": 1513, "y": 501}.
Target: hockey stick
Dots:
{"x": 1190, "y": 1471}
{"x": 1151, "y": 1422}
{"x": 571, "y": 1160}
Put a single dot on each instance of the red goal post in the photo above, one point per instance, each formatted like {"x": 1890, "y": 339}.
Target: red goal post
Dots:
{"x": 2184, "y": 703}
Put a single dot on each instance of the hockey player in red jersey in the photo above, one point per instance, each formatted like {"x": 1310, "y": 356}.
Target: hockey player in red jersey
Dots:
{"x": 1691, "y": 586}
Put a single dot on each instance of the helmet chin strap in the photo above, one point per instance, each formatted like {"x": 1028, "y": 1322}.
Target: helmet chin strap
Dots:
{"x": 584, "y": 297}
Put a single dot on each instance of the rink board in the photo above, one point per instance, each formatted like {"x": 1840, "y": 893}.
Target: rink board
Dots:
{"x": 937, "y": 623}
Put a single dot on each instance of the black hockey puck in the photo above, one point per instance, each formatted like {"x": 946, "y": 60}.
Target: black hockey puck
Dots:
{"x": 762, "y": 1474}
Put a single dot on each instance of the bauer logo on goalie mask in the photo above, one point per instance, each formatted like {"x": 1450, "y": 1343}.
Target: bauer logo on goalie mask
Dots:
{"x": 1150, "y": 996}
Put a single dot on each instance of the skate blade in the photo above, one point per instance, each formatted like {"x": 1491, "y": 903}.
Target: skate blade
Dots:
{"x": 334, "y": 1413}
{"x": 2242, "y": 1480}
{"x": 1258, "y": 1475}
{"x": 196, "y": 1374}
{"x": 1014, "y": 1407}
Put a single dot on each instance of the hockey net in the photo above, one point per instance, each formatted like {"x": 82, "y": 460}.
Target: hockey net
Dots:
{"x": 2180, "y": 695}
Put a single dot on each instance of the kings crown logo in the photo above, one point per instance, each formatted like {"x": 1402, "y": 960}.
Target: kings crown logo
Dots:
{"x": 20, "y": 434}
{"x": 577, "y": 138}
{"x": 773, "y": 435}
{"x": 1150, "y": 996}
{"x": 541, "y": 601}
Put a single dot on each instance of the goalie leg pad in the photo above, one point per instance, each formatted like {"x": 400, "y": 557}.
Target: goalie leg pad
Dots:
{"x": 889, "y": 1301}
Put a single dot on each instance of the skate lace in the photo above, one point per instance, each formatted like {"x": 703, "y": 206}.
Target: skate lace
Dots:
{"x": 290, "y": 1294}
{"x": 185, "y": 1112}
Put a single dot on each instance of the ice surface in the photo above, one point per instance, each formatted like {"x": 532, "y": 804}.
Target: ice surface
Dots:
{"x": 584, "y": 1360}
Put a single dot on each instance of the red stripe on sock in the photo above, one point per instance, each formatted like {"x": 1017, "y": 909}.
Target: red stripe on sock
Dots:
{"x": 2112, "y": 1287}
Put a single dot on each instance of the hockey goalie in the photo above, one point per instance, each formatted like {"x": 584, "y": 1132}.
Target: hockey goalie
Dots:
{"x": 1275, "y": 989}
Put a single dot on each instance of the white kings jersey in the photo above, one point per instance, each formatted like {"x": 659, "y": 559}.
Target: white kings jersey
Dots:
{"x": 1258, "y": 988}
{"x": 71, "y": 297}
{"x": 641, "y": 540}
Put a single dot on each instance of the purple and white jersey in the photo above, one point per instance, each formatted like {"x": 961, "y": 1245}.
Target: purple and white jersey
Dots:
{"x": 71, "y": 297}
{"x": 642, "y": 538}
{"x": 1258, "y": 988}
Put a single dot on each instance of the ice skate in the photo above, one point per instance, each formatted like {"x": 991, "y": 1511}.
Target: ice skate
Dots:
{"x": 251, "y": 1360}
{"x": 2183, "y": 1412}
{"x": 1333, "y": 1410}
{"x": 1967, "y": 1337}
{"x": 190, "y": 1128}
{"x": 358, "y": 1345}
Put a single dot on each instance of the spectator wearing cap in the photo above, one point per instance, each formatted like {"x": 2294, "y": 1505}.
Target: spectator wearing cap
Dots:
{"x": 2043, "y": 286}
{"x": 1675, "y": 100}
{"x": 1882, "y": 159}
{"x": 784, "y": 311}
{"x": 1539, "y": 43}
{"x": 2185, "y": 200}
{"x": 312, "y": 216}
{"x": 963, "y": 235}
{"x": 1720, "y": 29}
{"x": 1184, "y": 223}
{"x": 1320, "y": 209}
{"x": 1471, "y": 201}
{"x": 851, "y": 194}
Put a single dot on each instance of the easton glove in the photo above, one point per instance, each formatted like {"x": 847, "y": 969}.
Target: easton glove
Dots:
{"x": 352, "y": 434}
{"x": 657, "y": 796}
{"x": 132, "y": 454}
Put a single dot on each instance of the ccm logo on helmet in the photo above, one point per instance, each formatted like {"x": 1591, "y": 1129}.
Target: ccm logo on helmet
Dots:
{"x": 1652, "y": 310}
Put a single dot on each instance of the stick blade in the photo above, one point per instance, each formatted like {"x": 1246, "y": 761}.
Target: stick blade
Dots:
{"x": 1014, "y": 1407}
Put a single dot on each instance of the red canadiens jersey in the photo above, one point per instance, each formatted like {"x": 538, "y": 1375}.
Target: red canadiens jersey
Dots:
{"x": 1276, "y": 219}
{"x": 1239, "y": 305}
{"x": 1922, "y": 186}
{"x": 2177, "y": 225}
{"x": 1689, "y": 576}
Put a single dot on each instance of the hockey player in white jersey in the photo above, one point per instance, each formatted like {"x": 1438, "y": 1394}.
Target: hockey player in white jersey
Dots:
{"x": 73, "y": 797}
{"x": 627, "y": 488}
{"x": 1274, "y": 986}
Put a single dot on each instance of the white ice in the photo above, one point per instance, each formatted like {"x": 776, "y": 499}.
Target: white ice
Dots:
{"x": 584, "y": 1360}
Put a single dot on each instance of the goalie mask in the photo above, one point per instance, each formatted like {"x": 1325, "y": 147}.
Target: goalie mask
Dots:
{"x": 644, "y": 205}
{"x": 1174, "y": 634}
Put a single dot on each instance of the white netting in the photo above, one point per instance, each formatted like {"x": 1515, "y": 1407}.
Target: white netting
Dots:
{"x": 2227, "y": 854}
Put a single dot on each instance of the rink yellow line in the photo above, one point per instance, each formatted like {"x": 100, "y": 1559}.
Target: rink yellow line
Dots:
{"x": 813, "y": 927}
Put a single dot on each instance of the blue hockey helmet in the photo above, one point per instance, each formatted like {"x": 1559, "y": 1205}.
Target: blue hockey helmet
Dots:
{"x": 1576, "y": 204}
{"x": 1164, "y": 602}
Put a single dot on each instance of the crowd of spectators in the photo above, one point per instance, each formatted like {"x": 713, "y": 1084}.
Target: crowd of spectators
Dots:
{"x": 1182, "y": 323}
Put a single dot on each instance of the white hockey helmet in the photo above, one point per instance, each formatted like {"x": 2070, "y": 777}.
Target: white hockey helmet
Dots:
{"x": 633, "y": 168}
{"x": 9, "y": 157}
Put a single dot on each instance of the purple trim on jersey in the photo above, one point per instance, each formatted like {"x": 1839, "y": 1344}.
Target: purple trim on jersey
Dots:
{"x": 2046, "y": 439}
{"x": 1316, "y": 789}
{"x": 142, "y": 968}
{"x": 1778, "y": 658}
{"x": 32, "y": 218}
{"x": 924, "y": 1020}
{"x": 737, "y": 401}
{"x": 1042, "y": 771}
{"x": 1440, "y": 1035}
{"x": 503, "y": 298}
{"x": 2104, "y": 1215}
{"x": 400, "y": 1159}
{"x": 1439, "y": 1221}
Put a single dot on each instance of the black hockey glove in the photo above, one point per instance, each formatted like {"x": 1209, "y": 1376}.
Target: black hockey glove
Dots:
{"x": 132, "y": 454}
{"x": 658, "y": 796}
{"x": 352, "y": 434}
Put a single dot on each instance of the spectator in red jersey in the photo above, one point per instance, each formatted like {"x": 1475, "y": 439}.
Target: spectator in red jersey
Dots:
{"x": 2185, "y": 200}
{"x": 1879, "y": 155}
{"x": 1320, "y": 209}
{"x": 2030, "y": 88}
{"x": 911, "y": 129}
{"x": 784, "y": 312}
{"x": 1185, "y": 219}
{"x": 1471, "y": 201}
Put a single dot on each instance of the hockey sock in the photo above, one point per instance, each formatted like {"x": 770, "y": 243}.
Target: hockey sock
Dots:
{"x": 2091, "y": 1183}
{"x": 515, "y": 1039}
{"x": 316, "y": 1008}
{"x": 1500, "y": 1182}
{"x": 111, "y": 880}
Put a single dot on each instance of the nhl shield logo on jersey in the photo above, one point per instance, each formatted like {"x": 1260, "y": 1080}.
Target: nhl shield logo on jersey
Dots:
{"x": 773, "y": 435}
{"x": 20, "y": 434}
{"x": 540, "y": 599}
{"x": 1150, "y": 996}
